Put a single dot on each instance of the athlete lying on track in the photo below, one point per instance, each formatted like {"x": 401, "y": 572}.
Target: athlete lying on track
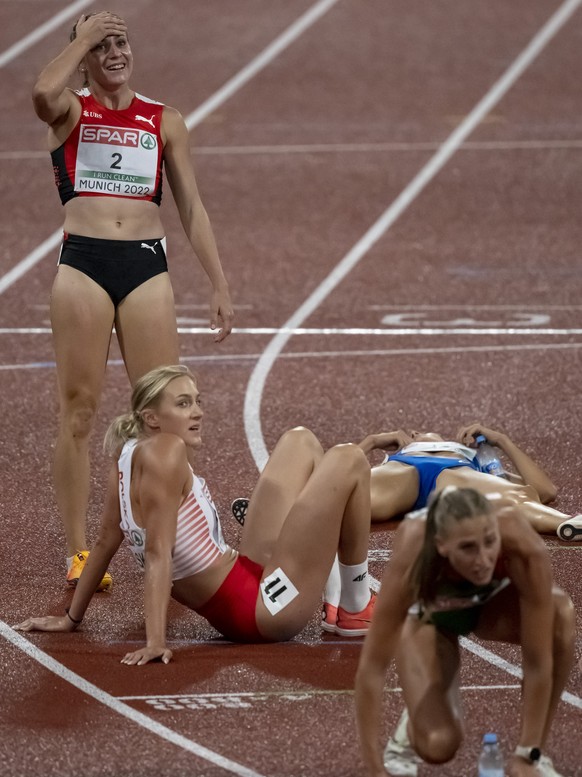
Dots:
{"x": 421, "y": 462}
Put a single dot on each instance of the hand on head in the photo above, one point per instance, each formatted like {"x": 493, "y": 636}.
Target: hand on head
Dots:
{"x": 95, "y": 27}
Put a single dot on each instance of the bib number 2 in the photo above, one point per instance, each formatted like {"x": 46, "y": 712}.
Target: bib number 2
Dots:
{"x": 115, "y": 160}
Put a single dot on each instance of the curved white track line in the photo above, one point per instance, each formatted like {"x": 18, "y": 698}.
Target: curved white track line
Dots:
{"x": 256, "y": 385}
{"x": 122, "y": 709}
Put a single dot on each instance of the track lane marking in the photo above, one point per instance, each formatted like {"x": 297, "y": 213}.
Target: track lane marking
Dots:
{"x": 257, "y": 381}
{"x": 293, "y": 694}
{"x": 501, "y": 663}
{"x": 343, "y": 148}
{"x": 237, "y": 357}
{"x": 42, "y": 31}
{"x": 345, "y": 331}
{"x": 119, "y": 707}
{"x": 281, "y": 42}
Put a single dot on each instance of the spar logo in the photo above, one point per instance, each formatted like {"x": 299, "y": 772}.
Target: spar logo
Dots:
{"x": 147, "y": 141}
{"x": 114, "y": 136}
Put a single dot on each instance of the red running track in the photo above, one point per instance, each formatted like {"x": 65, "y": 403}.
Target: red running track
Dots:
{"x": 464, "y": 304}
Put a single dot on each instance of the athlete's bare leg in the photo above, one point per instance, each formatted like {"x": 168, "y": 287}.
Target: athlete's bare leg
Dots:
{"x": 146, "y": 329}
{"x": 330, "y": 514}
{"x": 81, "y": 319}
{"x": 428, "y": 669}
{"x": 288, "y": 469}
{"x": 544, "y": 519}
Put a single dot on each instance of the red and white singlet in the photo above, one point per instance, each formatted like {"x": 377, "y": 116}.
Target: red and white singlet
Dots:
{"x": 112, "y": 153}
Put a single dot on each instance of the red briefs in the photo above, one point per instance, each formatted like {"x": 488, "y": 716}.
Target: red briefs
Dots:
{"x": 232, "y": 608}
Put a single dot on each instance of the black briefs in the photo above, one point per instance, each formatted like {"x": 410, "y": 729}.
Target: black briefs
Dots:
{"x": 118, "y": 266}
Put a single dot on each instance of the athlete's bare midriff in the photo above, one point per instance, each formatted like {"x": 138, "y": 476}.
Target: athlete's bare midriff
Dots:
{"x": 194, "y": 591}
{"x": 113, "y": 218}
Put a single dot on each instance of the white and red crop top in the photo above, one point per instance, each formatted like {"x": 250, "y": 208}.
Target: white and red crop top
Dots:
{"x": 112, "y": 153}
{"x": 199, "y": 540}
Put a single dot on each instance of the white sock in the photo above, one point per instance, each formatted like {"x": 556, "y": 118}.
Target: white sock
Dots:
{"x": 333, "y": 587}
{"x": 355, "y": 593}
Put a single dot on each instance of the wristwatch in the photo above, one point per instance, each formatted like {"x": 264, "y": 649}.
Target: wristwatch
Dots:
{"x": 531, "y": 754}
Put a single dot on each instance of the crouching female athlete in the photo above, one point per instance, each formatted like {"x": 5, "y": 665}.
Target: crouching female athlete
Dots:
{"x": 419, "y": 463}
{"x": 464, "y": 566}
{"x": 307, "y": 506}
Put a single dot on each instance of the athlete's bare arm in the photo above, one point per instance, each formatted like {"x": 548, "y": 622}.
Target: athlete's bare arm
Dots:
{"x": 52, "y": 99}
{"x": 194, "y": 217}
{"x": 381, "y": 642}
{"x": 530, "y": 472}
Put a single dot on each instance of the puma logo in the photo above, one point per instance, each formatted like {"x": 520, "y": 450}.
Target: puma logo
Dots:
{"x": 151, "y": 248}
{"x": 147, "y": 121}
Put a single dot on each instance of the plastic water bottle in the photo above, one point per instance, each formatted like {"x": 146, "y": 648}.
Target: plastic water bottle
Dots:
{"x": 491, "y": 758}
{"x": 487, "y": 458}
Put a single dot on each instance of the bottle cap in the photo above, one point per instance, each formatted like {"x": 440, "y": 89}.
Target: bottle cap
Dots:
{"x": 480, "y": 438}
{"x": 489, "y": 739}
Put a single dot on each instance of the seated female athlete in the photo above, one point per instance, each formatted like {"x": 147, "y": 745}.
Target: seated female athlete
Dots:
{"x": 421, "y": 463}
{"x": 462, "y": 566}
{"x": 307, "y": 506}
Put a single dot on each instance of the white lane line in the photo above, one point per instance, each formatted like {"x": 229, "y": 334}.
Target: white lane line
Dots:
{"x": 119, "y": 707}
{"x": 194, "y": 118}
{"x": 249, "y": 694}
{"x": 255, "y": 387}
{"x": 29, "y": 261}
{"x": 348, "y": 148}
{"x": 365, "y": 148}
{"x": 305, "y": 695}
{"x": 343, "y": 331}
{"x": 273, "y": 50}
{"x": 73, "y": 9}
{"x": 501, "y": 663}
{"x": 401, "y": 331}
{"x": 238, "y": 357}
{"x": 516, "y": 306}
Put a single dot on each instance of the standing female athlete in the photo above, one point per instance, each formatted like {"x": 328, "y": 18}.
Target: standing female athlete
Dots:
{"x": 108, "y": 147}
{"x": 464, "y": 566}
{"x": 307, "y": 506}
